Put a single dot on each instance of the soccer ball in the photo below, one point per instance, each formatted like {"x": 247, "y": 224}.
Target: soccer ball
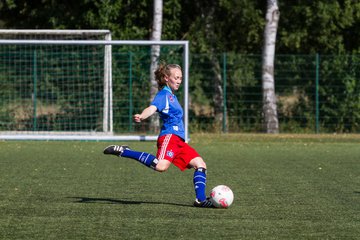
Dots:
{"x": 221, "y": 196}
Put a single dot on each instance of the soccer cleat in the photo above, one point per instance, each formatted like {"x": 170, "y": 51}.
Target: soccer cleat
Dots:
{"x": 115, "y": 150}
{"x": 204, "y": 204}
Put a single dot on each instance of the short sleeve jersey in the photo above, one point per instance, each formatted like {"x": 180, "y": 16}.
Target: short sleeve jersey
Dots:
{"x": 170, "y": 111}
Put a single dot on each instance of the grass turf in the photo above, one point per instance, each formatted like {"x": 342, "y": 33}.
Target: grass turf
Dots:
{"x": 285, "y": 187}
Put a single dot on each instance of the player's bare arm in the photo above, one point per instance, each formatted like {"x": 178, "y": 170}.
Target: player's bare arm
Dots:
{"x": 147, "y": 112}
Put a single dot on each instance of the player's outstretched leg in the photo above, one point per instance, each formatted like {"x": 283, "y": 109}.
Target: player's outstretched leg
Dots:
{"x": 145, "y": 158}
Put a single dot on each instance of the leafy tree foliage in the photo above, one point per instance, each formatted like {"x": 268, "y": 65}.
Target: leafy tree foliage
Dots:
{"x": 305, "y": 26}
{"x": 234, "y": 27}
{"x": 319, "y": 26}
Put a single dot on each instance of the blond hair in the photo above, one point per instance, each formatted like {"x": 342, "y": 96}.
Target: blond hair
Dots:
{"x": 162, "y": 71}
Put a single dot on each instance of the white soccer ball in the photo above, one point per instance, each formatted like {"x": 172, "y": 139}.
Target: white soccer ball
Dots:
{"x": 221, "y": 196}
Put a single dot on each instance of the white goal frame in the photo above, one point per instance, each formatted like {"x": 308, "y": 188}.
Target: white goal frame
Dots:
{"x": 107, "y": 134}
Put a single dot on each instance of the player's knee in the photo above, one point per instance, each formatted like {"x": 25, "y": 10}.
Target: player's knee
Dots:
{"x": 203, "y": 166}
{"x": 161, "y": 169}
{"x": 162, "y": 165}
{"x": 198, "y": 163}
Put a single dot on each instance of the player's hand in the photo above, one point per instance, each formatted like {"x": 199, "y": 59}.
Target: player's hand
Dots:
{"x": 147, "y": 112}
{"x": 137, "y": 118}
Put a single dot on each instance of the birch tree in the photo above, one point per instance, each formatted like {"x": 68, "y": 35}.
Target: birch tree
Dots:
{"x": 155, "y": 54}
{"x": 268, "y": 83}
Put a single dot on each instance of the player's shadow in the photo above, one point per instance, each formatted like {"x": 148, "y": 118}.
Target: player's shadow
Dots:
{"x": 119, "y": 201}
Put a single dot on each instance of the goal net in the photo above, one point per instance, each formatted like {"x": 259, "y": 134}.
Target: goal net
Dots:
{"x": 78, "y": 86}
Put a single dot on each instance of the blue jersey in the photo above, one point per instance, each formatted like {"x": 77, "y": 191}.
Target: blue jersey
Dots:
{"x": 170, "y": 111}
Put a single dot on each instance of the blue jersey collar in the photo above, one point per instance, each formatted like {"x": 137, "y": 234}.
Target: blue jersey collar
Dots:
{"x": 168, "y": 89}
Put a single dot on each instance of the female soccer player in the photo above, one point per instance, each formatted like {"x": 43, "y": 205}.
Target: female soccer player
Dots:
{"x": 172, "y": 148}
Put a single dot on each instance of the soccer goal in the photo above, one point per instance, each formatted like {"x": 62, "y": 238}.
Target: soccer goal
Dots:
{"x": 80, "y": 89}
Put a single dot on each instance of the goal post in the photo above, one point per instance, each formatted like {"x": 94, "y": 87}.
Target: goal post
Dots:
{"x": 108, "y": 132}
{"x": 49, "y": 34}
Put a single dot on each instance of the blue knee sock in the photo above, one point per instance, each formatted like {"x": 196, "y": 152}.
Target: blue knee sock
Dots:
{"x": 147, "y": 159}
{"x": 200, "y": 183}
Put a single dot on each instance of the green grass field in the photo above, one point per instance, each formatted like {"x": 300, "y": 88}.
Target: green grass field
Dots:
{"x": 285, "y": 187}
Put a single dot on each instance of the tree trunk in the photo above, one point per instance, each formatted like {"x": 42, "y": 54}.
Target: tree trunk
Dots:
{"x": 218, "y": 96}
{"x": 155, "y": 54}
{"x": 268, "y": 83}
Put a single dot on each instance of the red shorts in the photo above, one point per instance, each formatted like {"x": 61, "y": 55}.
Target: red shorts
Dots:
{"x": 175, "y": 150}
